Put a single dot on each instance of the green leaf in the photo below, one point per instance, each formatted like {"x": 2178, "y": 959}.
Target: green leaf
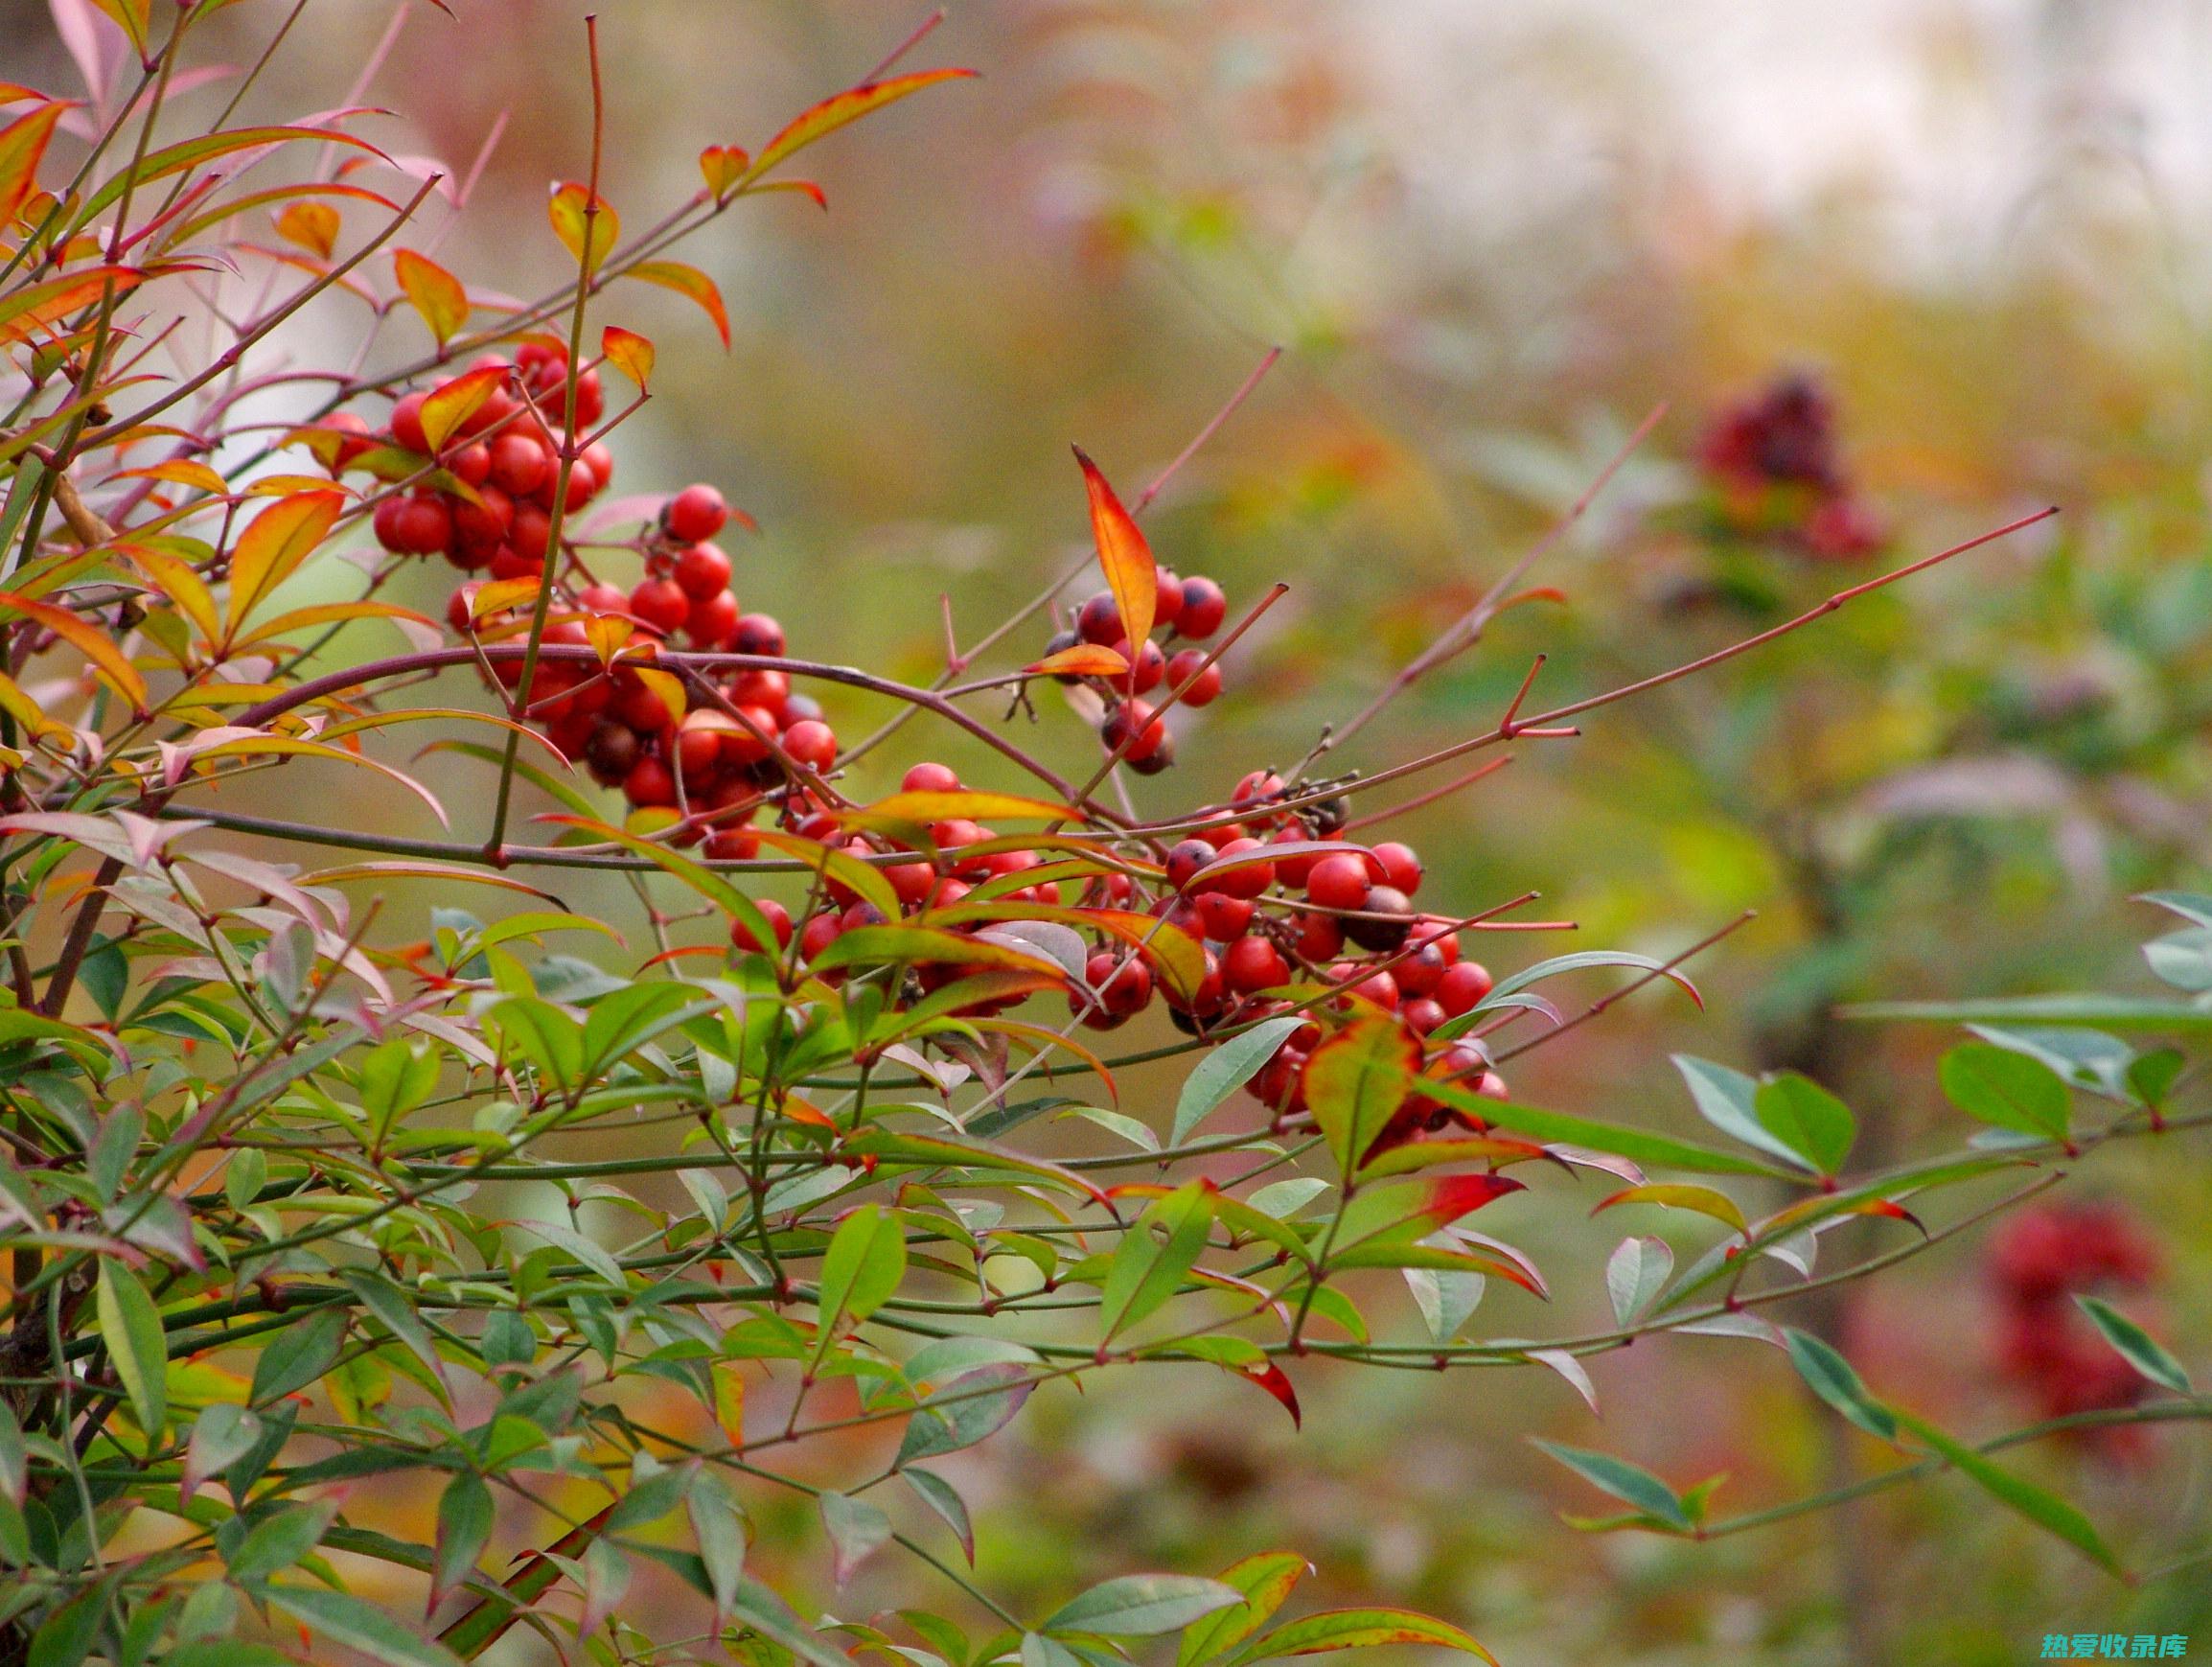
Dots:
{"x": 1641, "y": 1146}
{"x": 360, "y": 1624}
{"x": 1729, "y": 1100}
{"x": 2045, "y": 1509}
{"x": 718, "y": 1526}
{"x": 942, "y": 1497}
{"x": 1831, "y": 1376}
{"x": 223, "y": 1433}
{"x": 865, "y": 1260}
{"x": 963, "y": 1411}
{"x": 2010, "y": 1090}
{"x": 857, "y": 1531}
{"x": 1635, "y": 1274}
{"x": 1356, "y": 1080}
{"x": 2105, "y": 1012}
{"x": 1807, "y": 1119}
{"x": 2136, "y": 1346}
{"x": 1148, "y": 1265}
{"x": 1630, "y": 1484}
{"x": 1226, "y": 1070}
{"x": 298, "y": 1355}
{"x": 1138, "y": 1606}
{"x": 279, "y": 1540}
{"x": 130, "y": 1327}
{"x": 466, "y": 1514}
{"x": 397, "y": 1076}
{"x": 1357, "y": 1629}
{"x": 1266, "y": 1582}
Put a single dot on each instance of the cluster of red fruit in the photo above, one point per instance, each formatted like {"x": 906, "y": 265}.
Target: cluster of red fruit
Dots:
{"x": 1189, "y": 610}
{"x": 1281, "y": 904}
{"x": 2038, "y": 1260}
{"x": 487, "y": 510}
{"x": 1772, "y": 460}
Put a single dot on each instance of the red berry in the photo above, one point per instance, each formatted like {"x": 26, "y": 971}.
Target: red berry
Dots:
{"x": 1388, "y": 932}
{"x": 694, "y": 514}
{"x": 778, "y": 920}
{"x": 761, "y": 686}
{"x": 1421, "y": 1014}
{"x": 1250, "y": 878}
{"x": 1184, "y": 859}
{"x": 603, "y": 598}
{"x": 711, "y": 621}
{"x": 1204, "y": 607}
{"x": 1338, "y": 881}
{"x": 1252, "y": 963}
{"x": 1320, "y": 938}
{"x": 520, "y": 464}
{"x": 529, "y": 530}
{"x": 1400, "y": 866}
{"x": 649, "y": 783}
{"x": 703, "y": 570}
{"x": 1222, "y": 916}
{"x": 1099, "y": 620}
{"x": 1133, "y": 731}
{"x": 1121, "y": 980}
{"x": 819, "y": 933}
{"x": 742, "y": 745}
{"x": 811, "y": 743}
{"x": 661, "y": 604}
{"x": 425, "y": 525}
{"x": 1199, "y": 686}
{"x": 1379, "y": 987}
{"x": 408, "y": 421}
{"x": 460, "y": 616}
{"x": 1148, "y": 665}
{"x": 699, "y": 746}
{"x": 1462, "y": 986}
{"x": 472, "y": 465}
{"x": 1166, "y": 600}
{"x": 757, "y": 633}
{"x": 931, "y": 777}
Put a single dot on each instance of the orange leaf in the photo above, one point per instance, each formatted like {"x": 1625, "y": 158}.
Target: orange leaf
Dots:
{"x": 37, "y": 305}
{"x": 1123, "y": 554}
{"x": 180, "y": 584}
{"x": 275, "y": 543}
{"x": 87, "y": 641}
{"x": 22, "y": 143}
{"x": 179, "y": 472}
{"x": 491, "y": 597}
{"x": 850, "y": 106}
{"x": 576, "y": 213}
{"x": 629, "y": 351}
{"x": 689, "y": 282}
{"x": 722, "y": 166}
{"x": 436, "y": 294}
{"x": 313, "y": 225}
{"x": 450, "y": 406}
{"x": 1084, "y": 660}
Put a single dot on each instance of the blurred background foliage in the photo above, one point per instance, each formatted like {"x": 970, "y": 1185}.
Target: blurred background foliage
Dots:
{"x": 1491, "y": 236}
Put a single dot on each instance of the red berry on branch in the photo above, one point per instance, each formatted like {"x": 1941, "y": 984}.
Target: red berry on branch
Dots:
{"x": 1461, "y": 987}
{"x": 757, "y": 633}
{"x": 928, "y": 776}
{"x": 1199, "y": 687}
{"x": 1204, "y": 608}
{"x": 694, "y": 514}
{"x": 1252, "y": 963}
{"x": 1401, "y": 866}
{"x": 518, "y": 464}
{"x": 1099, "y": 620}
{"x": 408, "y": 422}
{"x": 661, "y": 604}
{"x": 1338, "y": 881}
{"x": 710, "y": 620}
{"x": 703, "y": 570}
{"x": 811, "y": 743}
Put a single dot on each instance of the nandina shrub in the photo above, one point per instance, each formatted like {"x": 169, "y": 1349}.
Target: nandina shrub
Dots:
{"x": 264, "y": 1260}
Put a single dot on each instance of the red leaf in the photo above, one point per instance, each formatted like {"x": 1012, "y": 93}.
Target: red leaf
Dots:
{"x": 1277, "y": 1383}
{"x": 1123, "y": 554}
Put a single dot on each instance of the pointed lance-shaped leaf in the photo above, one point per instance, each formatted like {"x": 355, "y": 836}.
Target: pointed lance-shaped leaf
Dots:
{"x": 1123, "y": 554}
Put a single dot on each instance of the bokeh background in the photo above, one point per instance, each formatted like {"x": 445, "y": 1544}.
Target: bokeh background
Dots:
{"x": 1491, "y": 235}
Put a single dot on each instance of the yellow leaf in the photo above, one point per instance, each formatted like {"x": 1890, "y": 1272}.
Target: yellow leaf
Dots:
{"x": 1084, "y": 660}
{"x": 1683, "y": 1196}
{"x": 313, "y": 225}
{"x": 730, "y": 1402}
{"x": 25, "y": 712}
{"x": 1123, "y": 554}
{"x": 332, "y": 614}
{"x": 275, "y": 543}
{"x": 180, "y": 584}
{"x": 183, "y": 471}
{"x": 502, "y": 594}
{"x": 454, "y": 402}
{"x": 608, "y": 634}
{"x": 690, "y": 283}
{"x": 850, "y": 106}
{"x": 284, "y": 485}
{"x": 88, "y": 640}
{"x": 629, "y": 351}
{"x": 577, "y": 214}
{"x": 669, "y": 687}
{"x": 22, "y": 145}
{"x": 436, "y": 292}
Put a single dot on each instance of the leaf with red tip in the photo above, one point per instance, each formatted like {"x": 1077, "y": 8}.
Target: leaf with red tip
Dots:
{"x": 1356, "y": 1080}
{"x": 433, "y": 291}
{"x": 629, "y": 352}
{"x": 22, "y": 147}
{"x": 274, "y": 545}
{"x": 722, "y": 166}
{"x": 1683, "y": 1196}
{"x": 580, "y": 218}
{"x": 1084, "y": 660}
{"x": 94, "y": 644}
{"x": 692, "y": 284}
{"x": 35, "y": 306}
{"x": 1123, "y": 554}
{"x": 452, "y": 403}
{"x": 1357, "y": 1629}
{"x": 311, "y": 224}
{"x": 835, "y": 112}
{"x": 1277, "y": 1383}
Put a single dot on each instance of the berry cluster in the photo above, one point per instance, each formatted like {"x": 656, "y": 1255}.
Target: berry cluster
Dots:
{"x": 1291, "y": 916}
{"x": 2046, "y": 1346}
{"x": 1772, "y": 460}
{"x": 1187, "y": 610}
